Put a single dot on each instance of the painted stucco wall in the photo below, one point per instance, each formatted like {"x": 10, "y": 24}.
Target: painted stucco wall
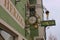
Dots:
{"x": 7, "y": 28}
{"x": 8, "y": 19}
{"x": 20, "y": 7}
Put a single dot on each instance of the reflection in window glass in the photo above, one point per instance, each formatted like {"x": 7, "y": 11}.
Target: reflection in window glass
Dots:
{"x": 6, "y": 35}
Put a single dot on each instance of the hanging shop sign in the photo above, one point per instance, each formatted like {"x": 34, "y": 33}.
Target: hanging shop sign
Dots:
{"x": 48, "y": 23}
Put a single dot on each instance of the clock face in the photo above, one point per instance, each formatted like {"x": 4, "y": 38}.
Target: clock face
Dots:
{"x": 32, "y": 20}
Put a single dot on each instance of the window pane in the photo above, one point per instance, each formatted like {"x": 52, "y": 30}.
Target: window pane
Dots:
{"x": 6, "y": 35}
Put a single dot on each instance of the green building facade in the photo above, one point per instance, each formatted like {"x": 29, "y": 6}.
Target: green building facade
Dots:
{"x": 15, "y": 16}
{"x": 12, "y": 17}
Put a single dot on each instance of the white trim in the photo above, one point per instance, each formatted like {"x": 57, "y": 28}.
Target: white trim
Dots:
{"x": 8, "y": 26}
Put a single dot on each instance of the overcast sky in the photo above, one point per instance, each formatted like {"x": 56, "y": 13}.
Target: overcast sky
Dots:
{"x": 54, "y": 7}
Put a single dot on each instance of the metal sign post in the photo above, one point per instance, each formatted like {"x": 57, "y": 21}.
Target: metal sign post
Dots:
{"x": 47, "y": 23}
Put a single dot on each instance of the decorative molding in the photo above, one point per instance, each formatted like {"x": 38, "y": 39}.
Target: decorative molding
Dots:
{"x": 13, "y": 12}
{"x": 12, "y": 29}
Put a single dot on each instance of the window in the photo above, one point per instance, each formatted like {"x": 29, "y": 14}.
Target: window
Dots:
{"x": 1, "y": 38}
{"x": 6, "y": 33}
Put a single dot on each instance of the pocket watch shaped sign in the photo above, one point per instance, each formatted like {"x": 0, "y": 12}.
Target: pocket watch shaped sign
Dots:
{"x": 32, "y": 19}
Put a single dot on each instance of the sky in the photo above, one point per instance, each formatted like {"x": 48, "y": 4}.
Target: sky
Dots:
{"x": 54, "y": 8}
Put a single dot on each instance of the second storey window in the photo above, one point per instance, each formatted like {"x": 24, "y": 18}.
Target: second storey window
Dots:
{"x": 5, "y": 36}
